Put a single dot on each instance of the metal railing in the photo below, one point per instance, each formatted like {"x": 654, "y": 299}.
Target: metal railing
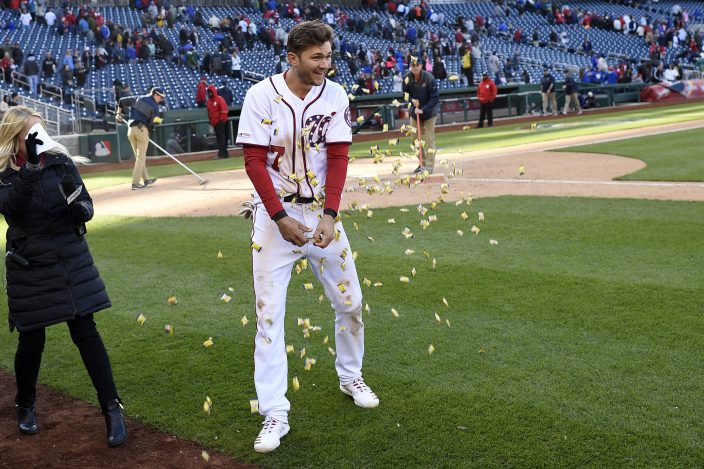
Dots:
{"x": 58, "y": 121}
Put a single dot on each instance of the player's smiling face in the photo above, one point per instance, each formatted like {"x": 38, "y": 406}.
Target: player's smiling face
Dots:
{"x": 313, "y": 64}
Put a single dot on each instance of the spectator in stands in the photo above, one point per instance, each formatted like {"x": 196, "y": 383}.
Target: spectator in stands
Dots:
{"x": 48, "y": 66}
{"x": 587, "y": 46}
{"x": 467, "y": 64}
{"x": 235, "y": 65}
{"x": 493, "y": 63}
{"x": 670, "y": 74}
{"x": 547, "y": 92}
{"x": 217, "y": 116}
{"x": 571, "y": 89}
{"x": 80, "y": 74}
{"x": 398, "y": 81}
{"x": 226, "y": 93}
{"x": 439, "y": 71}
{"x": 25, "y": 18}
{"x": 67, "y": 83}
{"x": 68, "y": 60}
{"x": 144, "y": 113}
{"x": 281, "y": 65}
{"x": 658, "y": 74}
{"x": 424, "y": 94}
{"x": 50, "y": 17}
{"x": 31, "y": 69}
{"x": 486, "y": 92}
{"x": 201, "y": 90}
{"x": 14, "y": 99}
{"x": 525, "y": 76}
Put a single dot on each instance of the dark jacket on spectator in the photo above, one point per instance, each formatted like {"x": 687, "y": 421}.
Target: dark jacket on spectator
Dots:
{"x": 59, "y": 281}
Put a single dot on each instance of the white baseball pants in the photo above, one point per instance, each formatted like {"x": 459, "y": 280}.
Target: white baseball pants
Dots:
{"x": 272, "y": 267}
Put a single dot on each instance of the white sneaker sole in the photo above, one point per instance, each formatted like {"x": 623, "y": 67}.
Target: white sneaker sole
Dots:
{"x": 358, "y": 404}
{"x": 261, "y": 449}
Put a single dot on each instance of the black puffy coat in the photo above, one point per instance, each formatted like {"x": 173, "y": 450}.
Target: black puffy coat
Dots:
{"x": 58, "y": 281}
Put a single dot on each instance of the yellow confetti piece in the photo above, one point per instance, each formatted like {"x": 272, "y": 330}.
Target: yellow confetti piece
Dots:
{"x": 437, "y": 317}
{"x": 466, "y": 127}
{"x": 244, "y": 320}
{"x": 460, "y": 232}
{"x": 394, "y": 312}
{"x": 278, "y": 98}
{"x": 289, "y": 348}
{"x": 481, "y": 350}
{"x": 426, "y": 254}
{"x": 393, "y": 141}
{"x": 141, "y": 319}
{"x": 409, "y": 252}
{"x": 370, "y": 213}
{"x": 464, "y": 216}
{"x": 431, "y": 349}
{"x": 447, "y": 321}
{"x": 533, "y": 125}
{"x": 341, "y": 287}
{"x": 169, "y": 329}
{"x": 253, "y": 406}
{"x": 444, "y": 301}
{"x": 376, "y": 85}
{"x": 370, "y": 239}
{"x": 360, "y": 119}
{"x": 475, "y": 229}
{"x": 309, "y": 364}
{"x": 208, "y": 343}
{"x": 307, "y": 286}
{"x": 367, "y": 308}
{"x": 404, "y": 279}
{"x": 303, "y": 352}
{"x": 406, "y": 96}
{"x": 297, "y": 269}
{"x": 204, "y": 454}
{"x": 295, "y": 384}
{"x": 226, "y": 298}
{"x": 385, "y": 128}
{"x": 444, "y": 188}
{"x": 391, "y": 221}
{"x": 434, "y": 263}
{"x": 481, "y": 216}
{"x": 378, "y": 284}
{"x": 219, "y": 254}
{"x": 396, "y": 103}
{"x": 432, "y": 218}
{"x": 266, "y": 121}
{"x": 207, "y": 405}
{"x": 367, "y": 282}
{"x": 256, "y": 247}
{"x": 453, "y": 78}
{"x": 493, "y": 242}
{"x": 351, "y": 97}
{"x": 521, "y": 170}
{"x": 306, "y": 323}
{"x": 413, "y": 272}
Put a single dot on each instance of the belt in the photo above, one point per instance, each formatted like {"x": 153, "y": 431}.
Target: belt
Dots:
{"x": 299, "y": 200}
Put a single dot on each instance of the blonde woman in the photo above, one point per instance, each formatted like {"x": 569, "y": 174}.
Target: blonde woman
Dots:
{"x": 51, "y": 277}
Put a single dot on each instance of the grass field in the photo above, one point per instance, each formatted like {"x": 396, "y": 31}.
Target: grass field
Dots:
{"x": 576, "y": 341}
{"x": 676, "y": 157}
{"x": 466, "y": 140}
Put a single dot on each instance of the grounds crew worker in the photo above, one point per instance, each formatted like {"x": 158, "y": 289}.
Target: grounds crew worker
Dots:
{"x": 144, "y": 112}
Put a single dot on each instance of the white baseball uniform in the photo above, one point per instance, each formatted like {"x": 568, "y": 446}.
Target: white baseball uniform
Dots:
{"x": 296, "y": 133}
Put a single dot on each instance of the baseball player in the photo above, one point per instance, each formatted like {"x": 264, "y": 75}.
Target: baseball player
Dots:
{"x": 295, "y": 129}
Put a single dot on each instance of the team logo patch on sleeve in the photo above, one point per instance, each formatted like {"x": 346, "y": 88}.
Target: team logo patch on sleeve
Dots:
{"x": 348, "y": 118}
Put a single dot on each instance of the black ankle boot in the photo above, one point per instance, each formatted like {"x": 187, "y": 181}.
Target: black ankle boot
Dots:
{"x": 27, "y": 419}
{"x": 115, "y": 422}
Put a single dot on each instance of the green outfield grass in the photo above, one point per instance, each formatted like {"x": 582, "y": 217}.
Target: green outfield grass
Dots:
{"x": 465, "y": 140}
{"x": 124, "y": 176}
{"x": 675, "y": 156}
{"x": 548, "y": 129}
{"x": 576, "y": 341}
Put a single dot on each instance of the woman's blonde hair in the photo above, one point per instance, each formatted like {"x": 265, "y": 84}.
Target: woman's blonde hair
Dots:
{"x": 13, "y": 122}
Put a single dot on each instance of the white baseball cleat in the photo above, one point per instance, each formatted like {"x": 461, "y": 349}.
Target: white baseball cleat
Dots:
{"x": 270, "y": 436}
{"x": 361, "y": 393}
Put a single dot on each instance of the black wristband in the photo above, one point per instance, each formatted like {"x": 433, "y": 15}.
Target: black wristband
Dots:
{"x": 279, "y": 215}
{"x": 331, "y": 212}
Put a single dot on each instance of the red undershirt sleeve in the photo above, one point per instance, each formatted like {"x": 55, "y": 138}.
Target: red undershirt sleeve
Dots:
{"x": 255, "y": 165}
{"x": 336, "y": 175}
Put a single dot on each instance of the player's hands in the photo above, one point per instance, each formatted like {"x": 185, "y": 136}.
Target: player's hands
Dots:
{"x": 419, "y": 111}
{"x": 293, "y": 231}
{"x": 415, "y": 102}
{"x": 325, "y": 232}
{"x": 30, "y": 144}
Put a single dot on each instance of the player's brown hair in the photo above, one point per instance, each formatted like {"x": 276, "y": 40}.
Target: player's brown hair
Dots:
{"x": 306, "y": 34}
